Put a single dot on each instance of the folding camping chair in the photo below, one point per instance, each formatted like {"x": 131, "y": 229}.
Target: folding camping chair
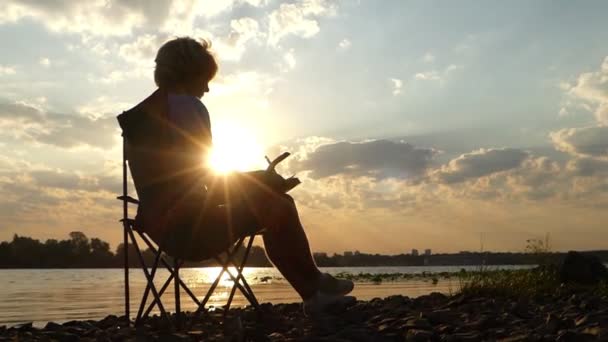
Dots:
{"x": 160, "y": 258}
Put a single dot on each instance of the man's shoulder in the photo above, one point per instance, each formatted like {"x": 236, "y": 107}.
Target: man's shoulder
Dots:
{"x": 186, "y": 100}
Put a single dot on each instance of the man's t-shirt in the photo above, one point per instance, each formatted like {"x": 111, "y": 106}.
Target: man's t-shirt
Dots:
{"x": 191, "y": 129}
{"x": 188, "y": 114}
{"x": 187, "y": 143}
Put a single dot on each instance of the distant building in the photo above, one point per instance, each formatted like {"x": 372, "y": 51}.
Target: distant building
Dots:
{"x": 427, "y": 251}
{"x": 348, "y": 254}
{"x": 357, "y": 253}
{"x": 414, "y": 252}
{"x": 319, "y": 255}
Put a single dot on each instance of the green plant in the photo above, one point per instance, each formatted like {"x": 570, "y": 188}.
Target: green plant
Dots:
{"x": 540, "y": 249}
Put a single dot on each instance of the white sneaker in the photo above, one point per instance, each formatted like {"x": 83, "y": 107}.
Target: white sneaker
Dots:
{"x": 331, "y": 285}
{"x": 321, "y": 302}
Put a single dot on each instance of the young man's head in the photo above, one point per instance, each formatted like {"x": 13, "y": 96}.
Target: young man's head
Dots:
{"x": 185, "y": 65}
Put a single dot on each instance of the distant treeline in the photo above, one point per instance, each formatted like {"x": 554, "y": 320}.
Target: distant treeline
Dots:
{"x": 81, "y": 252}
{"x": 452, "y": 259}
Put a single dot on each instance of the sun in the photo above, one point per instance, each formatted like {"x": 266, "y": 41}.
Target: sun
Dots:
{"x": 234, "y": 149}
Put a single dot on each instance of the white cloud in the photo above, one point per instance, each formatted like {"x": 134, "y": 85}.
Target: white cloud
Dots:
{"x": 585, "y": 142}
{"x": 592, "y": 87}
{"x": 183, "y": 13}
{"x": 432, "y": 75}
{"x": 141, "y": 51}
{"x": 103, "y": 106}
{"x": 298, "y": 19}
{"x": 45, "y": 62}
{"x": 289, "y": 60}
{"x": 94, "y": 17}
{"x": 428, "y": 57}
{"x": 344, "y": 44}
{"x": 243, "y": 83}
{"x": 232, "y": 46}
{"x": 397, "y": 85}
{"x": 6, "y": 70}
{"x": 118, "y": 17}
{"x": 113, "y": 77}
{"x": 452, "y": 67}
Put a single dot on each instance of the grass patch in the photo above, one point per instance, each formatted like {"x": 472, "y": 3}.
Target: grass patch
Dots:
{"x": 378, "y": 278}
{"x": 509, "y": 283}
{"x": 541, "y": 281}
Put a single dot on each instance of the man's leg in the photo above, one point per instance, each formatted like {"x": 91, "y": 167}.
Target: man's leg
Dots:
{"x": 287, "y": 247}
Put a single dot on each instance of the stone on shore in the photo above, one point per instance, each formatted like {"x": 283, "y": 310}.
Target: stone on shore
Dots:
{"x": 583, "y": 269}
{"x": 556, "y": 317}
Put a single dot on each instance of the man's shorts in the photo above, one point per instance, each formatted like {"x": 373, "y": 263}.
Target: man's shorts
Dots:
{"x": 202, "y": 231}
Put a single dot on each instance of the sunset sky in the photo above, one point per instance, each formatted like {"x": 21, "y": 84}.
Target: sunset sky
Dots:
{"x": 451, "y": 125}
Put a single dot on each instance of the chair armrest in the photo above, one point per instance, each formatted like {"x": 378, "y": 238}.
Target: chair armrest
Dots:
{"x": 129, "y": 221}
{"x": 128, "y": 199}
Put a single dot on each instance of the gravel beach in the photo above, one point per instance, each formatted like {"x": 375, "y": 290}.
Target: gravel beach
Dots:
{"x": 562, "y": 316}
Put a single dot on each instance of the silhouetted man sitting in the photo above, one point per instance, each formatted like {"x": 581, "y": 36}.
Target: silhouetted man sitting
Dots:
{"x": 194, "y": 213}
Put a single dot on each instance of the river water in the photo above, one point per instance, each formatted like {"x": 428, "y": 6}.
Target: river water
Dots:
{"x": 59, "y": 295}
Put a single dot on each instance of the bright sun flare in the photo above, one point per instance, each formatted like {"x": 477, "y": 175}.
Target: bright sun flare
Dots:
{"x": 234, "y": 149}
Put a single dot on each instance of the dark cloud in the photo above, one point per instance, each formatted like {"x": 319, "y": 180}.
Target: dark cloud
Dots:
{"x": 377, "y": 159}
{"x": 585, "y": 141}
{"x": 480, "y": 163}
{"x": 74, "y": 181}
{"x": 587, "y": 167}
{"x": 61, "y": 130}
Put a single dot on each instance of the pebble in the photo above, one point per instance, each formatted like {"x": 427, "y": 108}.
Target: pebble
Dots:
{"x": 558, "y": 317}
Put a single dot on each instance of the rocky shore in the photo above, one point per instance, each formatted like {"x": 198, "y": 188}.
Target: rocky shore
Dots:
{"x": 565, "y": 315}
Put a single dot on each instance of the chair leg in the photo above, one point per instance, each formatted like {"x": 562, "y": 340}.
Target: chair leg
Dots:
{"x": 150, "y": 280}
{"x": 239, "y": 277}
{"x": 170, "y": 269}
{"x": 144, "y": 299}
{"x": 126, "y": 266}
{"x": 176, "y": 279}
{"x": 217, "y": 280}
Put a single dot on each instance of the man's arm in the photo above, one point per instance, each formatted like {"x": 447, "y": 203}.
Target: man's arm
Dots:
{"x": 225, "y": 188}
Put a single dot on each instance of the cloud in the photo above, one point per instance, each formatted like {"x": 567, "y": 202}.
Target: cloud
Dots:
{"x": 428, "y": 57}
{"x": 142, "y": 50}
{"x": 289, "y": 60}
{"x": 39, "y": 201}
{"x": 250, "y": 83}
{"x": 397, "y": 85}
{"x": 118, "y": 17}
{"x": 93, "y": 17}
{"x": 299, "y": 19}
{"x": 592, "y": 87}
{"x": 587, "y": 167}
{"x": 45, "y": 62}
{"x": 345, "y": 44}
{"x": 182, "y": 14}
{"x": 73, "y": 181}
{"x": 375, "y": 158}
{"x": 24, "y": 121}
{"x": 6, "y": 70}
{"x": 232, "y": 46}
{"x": 586, "y": 141}
{"x": 434, "y": 75}
{"x": 480, "y": 163}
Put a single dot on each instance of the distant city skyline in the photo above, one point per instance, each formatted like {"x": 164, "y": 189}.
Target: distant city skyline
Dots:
{"x": 421, "y": 124}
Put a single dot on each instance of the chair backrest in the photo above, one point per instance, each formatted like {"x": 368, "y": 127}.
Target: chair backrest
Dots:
{"x": 145, "y": 134}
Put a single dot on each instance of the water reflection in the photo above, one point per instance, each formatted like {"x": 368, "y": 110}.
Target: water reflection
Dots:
{"x": 61, "y": 295}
